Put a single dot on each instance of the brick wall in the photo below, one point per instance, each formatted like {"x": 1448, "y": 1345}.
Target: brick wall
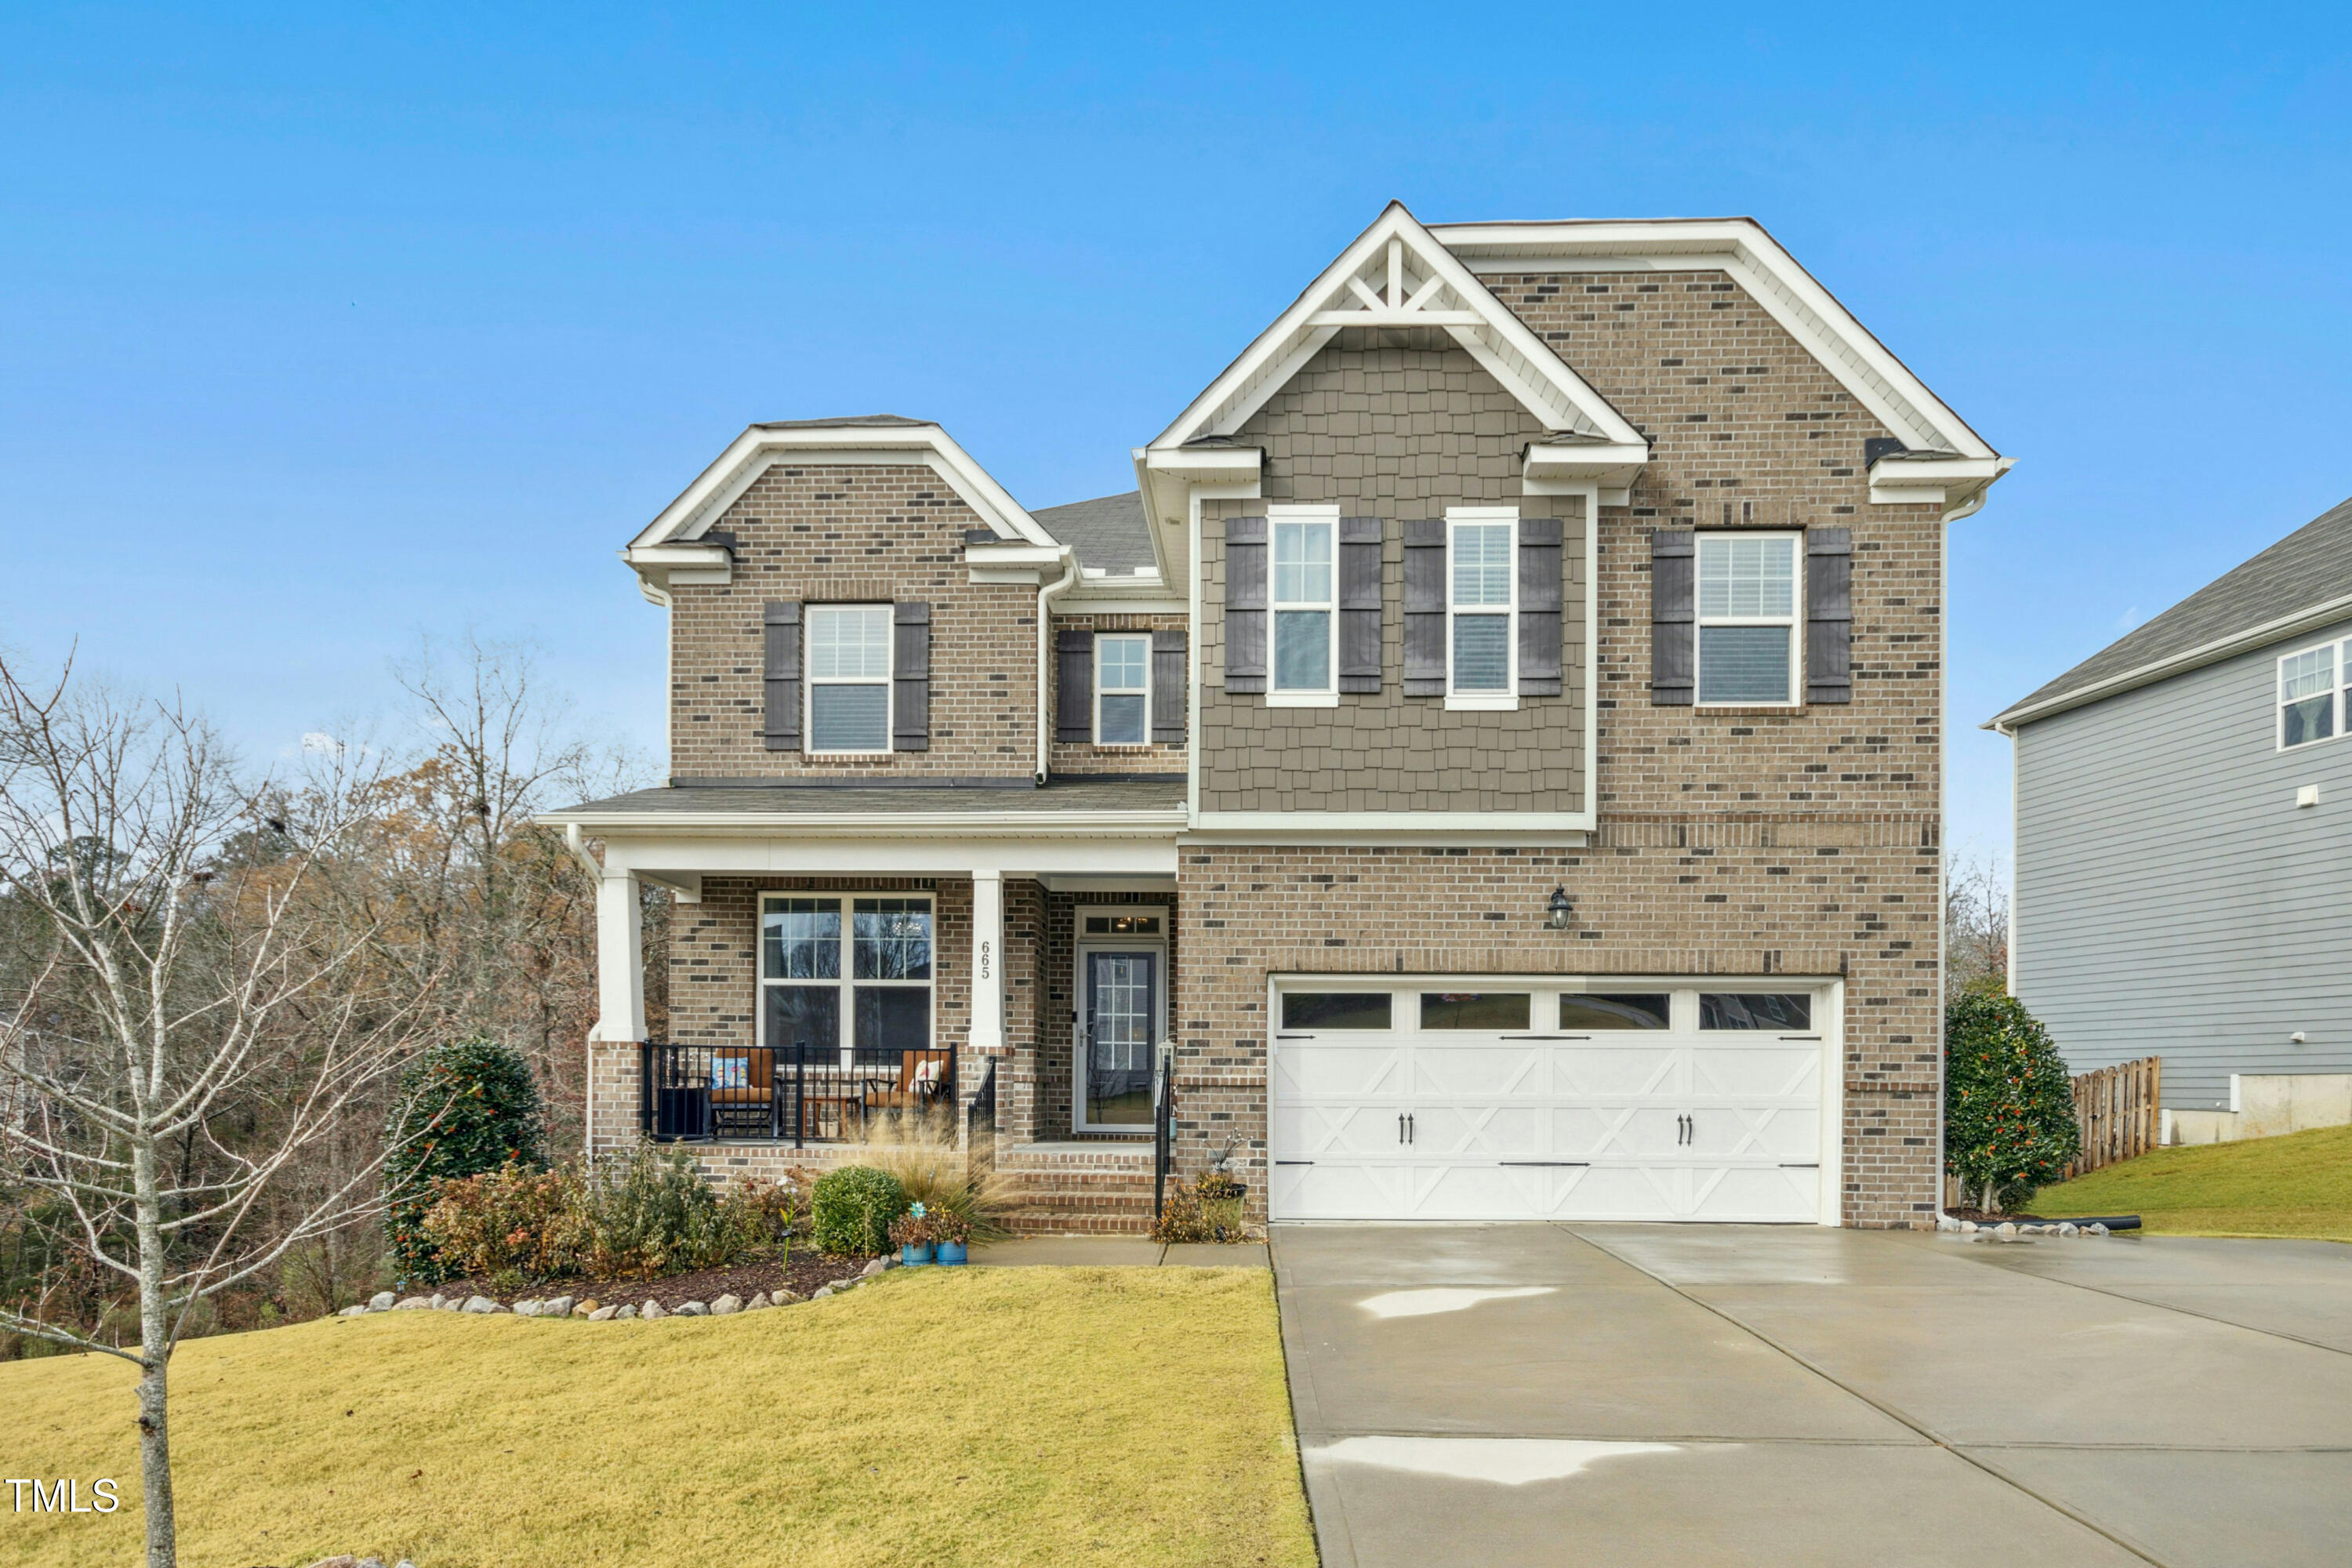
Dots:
{"x": 1088, "y": 758}
{"x": 854, "y": 534}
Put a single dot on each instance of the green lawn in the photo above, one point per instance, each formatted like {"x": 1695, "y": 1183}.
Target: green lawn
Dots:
{"x": 2300, "y": 1184}
{"x": 1135, "y": 1417}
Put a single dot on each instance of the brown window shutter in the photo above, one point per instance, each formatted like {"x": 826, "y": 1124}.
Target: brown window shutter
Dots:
{"x": 1424, "y": 608}
{"x": 782, "y": 652}
{"x": 1168, "y": 682}
{"x": 910, "y": 678}
{"x": 1539, "y": 607}
{"x": 1829, "y": 615}
{"x": 1246, "y": 615}
{"x": 1360, "y": 604}
{"x": 1074, "y": 683}
{"x": 1674, "y": 617}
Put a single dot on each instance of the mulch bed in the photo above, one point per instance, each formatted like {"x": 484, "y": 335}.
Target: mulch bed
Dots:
{"x": 807, "y": 1269}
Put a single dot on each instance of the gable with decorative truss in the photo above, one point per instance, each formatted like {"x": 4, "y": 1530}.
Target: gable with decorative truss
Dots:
{"x": 1397, "y": 275}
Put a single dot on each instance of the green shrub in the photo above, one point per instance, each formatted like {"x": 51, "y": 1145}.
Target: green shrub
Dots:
{"x": 2008, "y": 1101}
{"x": 853, "y": 1209}
{"x": 1206, "y": 1210}
{"x": 463, "y": 1108}
{"x": 510, "y": 1222}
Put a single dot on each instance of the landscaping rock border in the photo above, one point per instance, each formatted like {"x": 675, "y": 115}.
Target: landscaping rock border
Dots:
{"x": 590, "y": 1309}
{"x": 2012, "y": 1230}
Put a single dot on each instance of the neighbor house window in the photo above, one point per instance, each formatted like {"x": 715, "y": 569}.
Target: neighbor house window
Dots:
{"x": 849, "y": 678}
{"x": 2307, "y": 696}
{"x": 1748, "y": 619}
{"x": 1122, "y": 690}
{"x": 1304, "y": 624}
{"x": 1481, "y": 601}
{"x": 859, "y": 987}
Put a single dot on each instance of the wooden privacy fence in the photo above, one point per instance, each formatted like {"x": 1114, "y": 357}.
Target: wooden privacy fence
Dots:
{"x": 2117, "y": 1110}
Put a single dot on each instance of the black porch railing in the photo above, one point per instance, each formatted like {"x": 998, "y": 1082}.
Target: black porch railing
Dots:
{"x": 1164, "y": 1123}
{"x": 795, "y": 1094}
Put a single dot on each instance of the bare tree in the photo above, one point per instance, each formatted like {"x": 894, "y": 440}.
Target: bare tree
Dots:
{"x": 1975, "y": 925}
{"x": 186, "y": 1023}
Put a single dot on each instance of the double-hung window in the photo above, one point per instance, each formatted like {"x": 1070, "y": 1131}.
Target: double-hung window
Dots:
{"x": 1480, "y": 602}
{"x": 2311, "y": 700}
{"x": 1122, "y": 690}
{"x": 849, "y": 678}
{"x": 871, "y": 972}
{"x": 1748, "y": 620}
{"x": 1306, "y": 625}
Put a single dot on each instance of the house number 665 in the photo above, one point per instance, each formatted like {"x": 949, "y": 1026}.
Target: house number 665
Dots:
{"x": 987, "y": 960}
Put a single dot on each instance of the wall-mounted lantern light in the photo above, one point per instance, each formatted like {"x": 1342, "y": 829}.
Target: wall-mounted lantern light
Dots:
{"x": 1556, "y": 912}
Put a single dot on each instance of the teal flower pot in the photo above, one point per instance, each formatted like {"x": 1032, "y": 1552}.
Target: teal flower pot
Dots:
{"x": 951, "y": 1252}
{"x": 914, "y": 1253}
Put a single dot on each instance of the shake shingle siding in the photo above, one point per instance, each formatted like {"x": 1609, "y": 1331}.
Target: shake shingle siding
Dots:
{"x": 2171, "y": 897}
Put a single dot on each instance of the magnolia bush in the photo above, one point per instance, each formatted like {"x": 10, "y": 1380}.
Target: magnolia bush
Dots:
{"x": 2009, "y": 1101}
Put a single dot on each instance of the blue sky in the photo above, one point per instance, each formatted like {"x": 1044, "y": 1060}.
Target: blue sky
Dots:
{"x": 324, "y": 327}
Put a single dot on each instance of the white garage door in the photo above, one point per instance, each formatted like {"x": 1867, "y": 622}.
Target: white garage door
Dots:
{"x": 1489, "y": 1100}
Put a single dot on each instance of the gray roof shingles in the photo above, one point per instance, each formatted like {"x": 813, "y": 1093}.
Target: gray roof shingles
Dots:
{"x": 817, "y": 801}
{"x": 2309, "y": 567}
{"x": 1108, "y": 531}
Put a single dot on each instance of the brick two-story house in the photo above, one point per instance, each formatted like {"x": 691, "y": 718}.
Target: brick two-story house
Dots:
{"x": 1495, "y": 749}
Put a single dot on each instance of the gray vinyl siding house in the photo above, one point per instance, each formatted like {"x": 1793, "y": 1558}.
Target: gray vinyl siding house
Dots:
{"x": 2183, "y": 886}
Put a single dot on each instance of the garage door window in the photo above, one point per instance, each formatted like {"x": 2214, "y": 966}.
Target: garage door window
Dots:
{"x": 1616, "y": 1010}
{"x": 1334, "y": 1010}
{"x": 1749, "y": 1010}
{"x": 1475, "y": 1009}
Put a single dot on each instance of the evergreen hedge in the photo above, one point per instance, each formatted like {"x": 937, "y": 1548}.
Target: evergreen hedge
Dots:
{"x": 852, "y": 1209}
{"x": 2008, "y": 1101}
{"x": 463, "y": 1108}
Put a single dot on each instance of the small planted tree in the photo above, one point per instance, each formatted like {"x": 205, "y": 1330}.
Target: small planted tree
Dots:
{"x": 465, "y": 1108}
{"x": 2009, "y": 1102}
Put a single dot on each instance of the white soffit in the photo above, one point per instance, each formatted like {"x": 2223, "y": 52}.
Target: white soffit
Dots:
{"x": 1397, "y": 274}
{"x": 760, "y": 447}
{"x": 1741, "y": 247}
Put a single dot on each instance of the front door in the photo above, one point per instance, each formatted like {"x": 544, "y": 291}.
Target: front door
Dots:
{"x": 1121, "y": 1006}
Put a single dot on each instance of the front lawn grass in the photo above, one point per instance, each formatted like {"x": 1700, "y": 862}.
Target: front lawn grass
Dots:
{"x": 2298, "y": 1184}
{"x": 1133, "y": 1416}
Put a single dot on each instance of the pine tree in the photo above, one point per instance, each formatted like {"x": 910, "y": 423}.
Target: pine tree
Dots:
{"x": 2009, "y": 1101}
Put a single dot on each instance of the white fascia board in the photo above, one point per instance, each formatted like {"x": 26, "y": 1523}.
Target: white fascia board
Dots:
{"x": 1205, "y": 465}
{"x": 872, "y": 824}
{"x": 757, "y": 449}
{"x": 1614, "y": 465}
{"x": 2284, "y": 628}
{"x": 1079, "y": 601}
{"x": 661, "y": 567}
{"x": 1399, "y": 826}
{"x": 1504, "y": 344}
{"x": 937, "y": 855}
{"x": 1918, "y": 477}
{"x": 1741, "y": 247}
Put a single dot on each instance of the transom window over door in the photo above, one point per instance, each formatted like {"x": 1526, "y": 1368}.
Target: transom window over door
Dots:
{"x": 1481, "y": 601}
{"x": 849, "y": 678}
{"x": 1305, "y": 626}
{"x": 1122, "y": 690}
{"x": 1748, "y": 619}
{"x": 881, "y": 956}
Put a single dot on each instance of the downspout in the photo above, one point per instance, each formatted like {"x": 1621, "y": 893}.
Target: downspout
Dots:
{"x": 1046, "y": 594}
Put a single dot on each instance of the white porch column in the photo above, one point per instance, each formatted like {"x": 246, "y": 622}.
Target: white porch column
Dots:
{"x": 620, "y": 960}
{"x": 988, "y": 961}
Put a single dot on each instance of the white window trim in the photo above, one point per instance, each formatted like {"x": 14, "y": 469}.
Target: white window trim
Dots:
{"x": 1081, "y": 945}
{"x": 2342, "y": 650}
{"x": 809, "y": 683}
{"x": 1145, "y": 638}
{"x": 847, "y": 980}
{"x": 1794, "y": 620}
{"x": 1329, "y": 697}
{"x": 1508, "y": 700}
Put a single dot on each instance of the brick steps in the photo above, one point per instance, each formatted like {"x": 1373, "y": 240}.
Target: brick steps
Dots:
{"x": 1079, "y": 1188}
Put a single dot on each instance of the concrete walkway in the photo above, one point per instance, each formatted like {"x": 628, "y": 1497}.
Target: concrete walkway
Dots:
{"x": 1117, "y": 1252}
{"x": 1498, "y": 1395}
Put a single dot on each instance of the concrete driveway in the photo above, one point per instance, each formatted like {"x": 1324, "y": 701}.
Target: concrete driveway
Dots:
{"x": 1495, "y": 1395}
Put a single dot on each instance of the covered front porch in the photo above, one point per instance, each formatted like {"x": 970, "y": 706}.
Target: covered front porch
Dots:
{"x": 1002, "y": 960}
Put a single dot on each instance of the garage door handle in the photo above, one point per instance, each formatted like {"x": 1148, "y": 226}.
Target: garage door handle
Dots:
{"x": 1400, "y": 1126}
{"x": 1801, "y": 1165}
{"x": 1294, "y": 1162}
{"x": 1408, "y": 1127}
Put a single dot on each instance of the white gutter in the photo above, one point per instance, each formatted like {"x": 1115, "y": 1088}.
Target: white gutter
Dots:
{"x": 1046, "y": 594}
